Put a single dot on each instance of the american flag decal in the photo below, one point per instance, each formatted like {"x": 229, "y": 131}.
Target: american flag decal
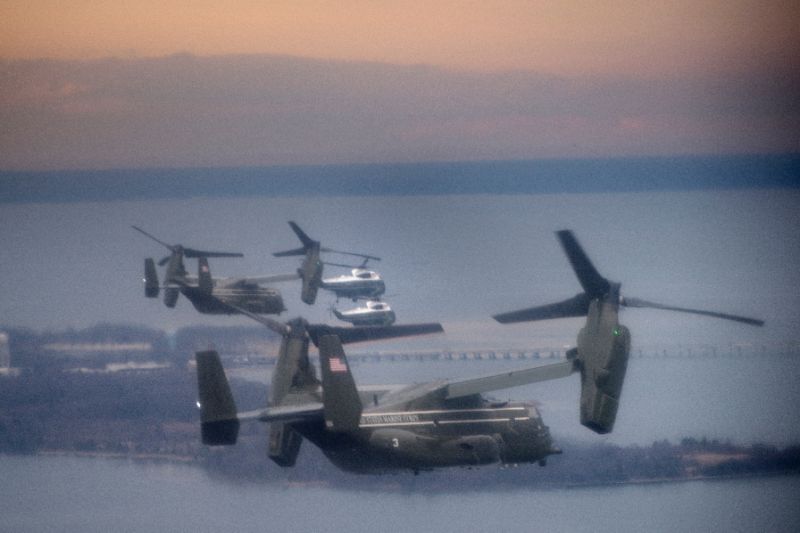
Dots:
{"x": 337, "y": 365}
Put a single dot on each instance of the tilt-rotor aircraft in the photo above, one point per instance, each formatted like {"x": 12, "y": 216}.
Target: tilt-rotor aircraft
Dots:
{"x": 207, "y": 294}
{"x": 362, "y": 283}
{"x": 430, "y": 425}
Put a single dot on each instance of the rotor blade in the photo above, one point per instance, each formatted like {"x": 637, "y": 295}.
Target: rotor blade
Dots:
{"x": 592, "y": 282}
{"x": 340, "y": 265}
{"x": 576, "y": 306}
{"x": 164, "y": 260}
{"x": 159, "y": 241}
{"x": 188, "y": 252}
{"x": 636, "y": 302}
{"x": 365, "y": 256}
{"x": 287, "y": 253}
{"x": 192, "y": 253}
{"x": 307, "y": 241}
{"x": 371, "y": 333}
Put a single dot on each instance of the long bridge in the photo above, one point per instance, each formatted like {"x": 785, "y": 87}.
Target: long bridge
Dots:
{"x": 698, "y": 351}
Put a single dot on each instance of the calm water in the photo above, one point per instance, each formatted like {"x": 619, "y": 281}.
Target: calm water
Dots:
{"x": 75, "y": 494}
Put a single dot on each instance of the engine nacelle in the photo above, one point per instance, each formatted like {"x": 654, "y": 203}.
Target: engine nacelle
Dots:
{"x": 603, "y": 368}
{"x": 150, "y": 279}
{"x": 311, "y": 276}
{"x": 171, "y": 296}
{"x": 284, "y": 444}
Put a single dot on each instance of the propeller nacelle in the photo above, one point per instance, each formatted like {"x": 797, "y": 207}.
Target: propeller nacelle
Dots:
{"x": 603, "y": 343}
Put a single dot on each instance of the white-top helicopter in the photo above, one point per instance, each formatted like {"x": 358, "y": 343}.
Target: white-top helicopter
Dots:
{"x": 372, "y": 313}
{"x": 360, "y": 283}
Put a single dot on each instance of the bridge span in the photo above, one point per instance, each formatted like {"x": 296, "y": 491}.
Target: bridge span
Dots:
{"x": 698, "y": 351}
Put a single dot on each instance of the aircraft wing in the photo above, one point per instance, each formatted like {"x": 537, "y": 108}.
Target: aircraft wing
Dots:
{"x": 276, "y": 278}
{"x": 505, "y": 380}
{"x": 285, "y": 413}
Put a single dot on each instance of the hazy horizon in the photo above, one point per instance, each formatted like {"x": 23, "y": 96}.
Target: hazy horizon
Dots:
{"x": 457, "y": 259}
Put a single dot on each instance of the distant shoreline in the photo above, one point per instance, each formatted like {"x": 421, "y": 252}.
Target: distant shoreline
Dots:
{"x": 502, "y": 177}
{"x": 386, "y": 480}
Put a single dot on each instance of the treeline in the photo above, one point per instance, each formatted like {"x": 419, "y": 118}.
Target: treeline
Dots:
{"x": 153, "y": 414}
{"x": 40, "y": 351}
{"x": 136, "y": 412}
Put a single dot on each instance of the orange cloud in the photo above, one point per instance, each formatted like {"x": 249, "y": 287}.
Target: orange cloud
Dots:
{"x": 642, "y": 38}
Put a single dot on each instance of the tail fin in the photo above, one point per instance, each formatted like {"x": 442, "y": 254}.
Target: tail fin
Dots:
{"x": 219, "y": 423}
{"x": 150, "y": 278}
{"x": 342, "y": 405}
{"x": 204, "y": 275}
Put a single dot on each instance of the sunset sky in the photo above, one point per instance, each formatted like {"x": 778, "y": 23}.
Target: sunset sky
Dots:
{"x": 611, "y": 78}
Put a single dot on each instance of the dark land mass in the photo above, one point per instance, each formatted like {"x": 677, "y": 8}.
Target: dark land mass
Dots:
{"x": 542, "y": 176}
{"x": 151, "y": 415}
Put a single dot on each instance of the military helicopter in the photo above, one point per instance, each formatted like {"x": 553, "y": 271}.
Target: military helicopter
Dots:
{"x": 362, "y": 282}
{"x": 430, "y": 425}
{"x": 372, "y": 313}
{"x": 207, "y": 294}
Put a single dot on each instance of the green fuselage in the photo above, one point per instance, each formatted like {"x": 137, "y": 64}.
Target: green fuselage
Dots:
{"x": 391, "y": 439}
